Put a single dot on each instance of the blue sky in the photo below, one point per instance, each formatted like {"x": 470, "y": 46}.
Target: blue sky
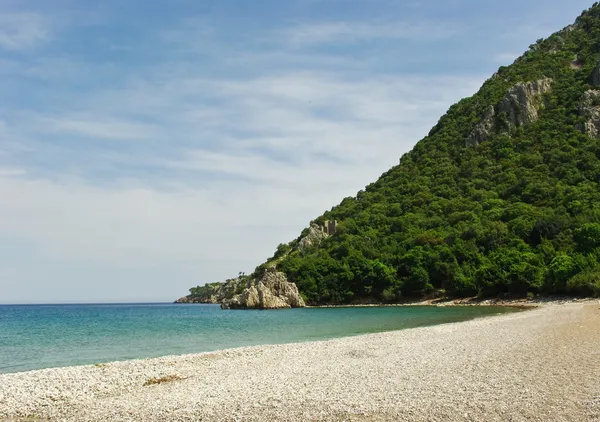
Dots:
{"x": 146, "y": 147}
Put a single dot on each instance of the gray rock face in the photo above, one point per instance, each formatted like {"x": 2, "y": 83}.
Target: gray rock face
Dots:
{"x": 313, "y": 238}
{"x": 483, "y": 129}
{"x": 589, "y": 107}
{"x": 523, "y": 102}
{"x": 272, "y": 291}
{"x": 568, "y": 29}
{"x": 520, "y": 106}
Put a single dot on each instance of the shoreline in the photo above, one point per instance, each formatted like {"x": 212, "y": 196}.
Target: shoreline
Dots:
{"x": 544, "y": 363}
{"x": 466, "y": 301}
{"x": 101, "y": 362}
{"x": 473, "y": 301}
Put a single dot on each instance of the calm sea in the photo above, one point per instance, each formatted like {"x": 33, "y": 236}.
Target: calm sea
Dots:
{"x": 43, "y": 336}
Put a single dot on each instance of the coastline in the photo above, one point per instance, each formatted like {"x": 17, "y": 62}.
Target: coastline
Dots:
{"x": 543, "y": 364}
{"x": 466, "y": 301}
{"x": 473, "y": 301}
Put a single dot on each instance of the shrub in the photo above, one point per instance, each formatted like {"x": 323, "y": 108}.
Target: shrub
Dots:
{"x": 586, "y": 283}
{"x": 588, "y": 236}
{"x": 562, "y": 268}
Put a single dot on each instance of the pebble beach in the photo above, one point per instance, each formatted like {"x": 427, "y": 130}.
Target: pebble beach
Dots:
{"x": 537, "y": 365}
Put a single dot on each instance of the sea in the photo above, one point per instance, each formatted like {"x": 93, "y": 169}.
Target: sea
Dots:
{"x": 45, "y": 336}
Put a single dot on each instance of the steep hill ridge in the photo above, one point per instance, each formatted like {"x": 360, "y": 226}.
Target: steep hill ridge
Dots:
{"x": 501, "y": 197}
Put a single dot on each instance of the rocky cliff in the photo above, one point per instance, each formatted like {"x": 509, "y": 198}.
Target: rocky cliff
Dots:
{"x": 589, "y": 108}
{"x": 266, "y": 288}
{"x": 520, "y": 106}
{"x": 523, "y": 101}
{"x": 313, "y": 238}
{"x": 271, "y": 291}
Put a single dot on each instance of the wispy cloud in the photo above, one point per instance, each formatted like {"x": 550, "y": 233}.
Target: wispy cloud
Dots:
{"x": 98, "y": 127}
{"x": 351, "y": 32}
{"x": 289, "y": 119}
{"x": 24, "y": 30}
{"x": 10, "y": 172}
{"x": 189, "y": 31}
{"x": 237, "y": 167}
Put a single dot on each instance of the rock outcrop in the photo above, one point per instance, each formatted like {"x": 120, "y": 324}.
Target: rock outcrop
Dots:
{"x": 483, "y": 129}
{"x": 313, "y": 238}
{"x": 184, "y": 299}
{"x": 589, "y": 107}
{"x": 272, "y": 291}
{"x": 520, "y": 106}
{"x": 523, "y": 102}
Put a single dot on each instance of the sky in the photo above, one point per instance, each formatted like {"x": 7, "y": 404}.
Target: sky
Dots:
{"x": 148, "y": 147}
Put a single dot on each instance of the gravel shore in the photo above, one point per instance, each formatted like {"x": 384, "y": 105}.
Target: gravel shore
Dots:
{"x": 538, "y": 365}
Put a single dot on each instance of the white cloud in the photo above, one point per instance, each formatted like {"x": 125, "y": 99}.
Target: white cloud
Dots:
{"x": 235, "y": 177}
{"x": 297, "y": 115}
{"x": 349, "y": 32}
{"x": 98, "y": 127}
{"x": 11, "y": 172}
{"x": 137, "y": 242}
{"x": 21, "y": 31}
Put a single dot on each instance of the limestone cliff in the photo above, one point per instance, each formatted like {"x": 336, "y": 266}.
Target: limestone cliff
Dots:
{"x": 523, "y": 102}
{"x": 266, "y": 288}
{"x": 589, "y": 108}
{"x": 271, "y": 291}
{"x": 483, "y": 129}
{"x": 520, "y": 106}
{"x": 314, "y": 236}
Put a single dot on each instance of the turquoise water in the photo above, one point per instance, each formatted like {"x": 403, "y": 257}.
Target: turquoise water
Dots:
{"x": 43, "y": 336}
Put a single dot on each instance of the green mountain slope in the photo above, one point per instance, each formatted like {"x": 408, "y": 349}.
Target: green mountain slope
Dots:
{"x": 501, "y": 197}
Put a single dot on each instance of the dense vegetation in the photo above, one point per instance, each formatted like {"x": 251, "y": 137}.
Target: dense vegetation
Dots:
{"x": 518, "y": 214}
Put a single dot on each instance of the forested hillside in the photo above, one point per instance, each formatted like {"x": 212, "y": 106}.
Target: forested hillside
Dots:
{"x": 501, "y": 197}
